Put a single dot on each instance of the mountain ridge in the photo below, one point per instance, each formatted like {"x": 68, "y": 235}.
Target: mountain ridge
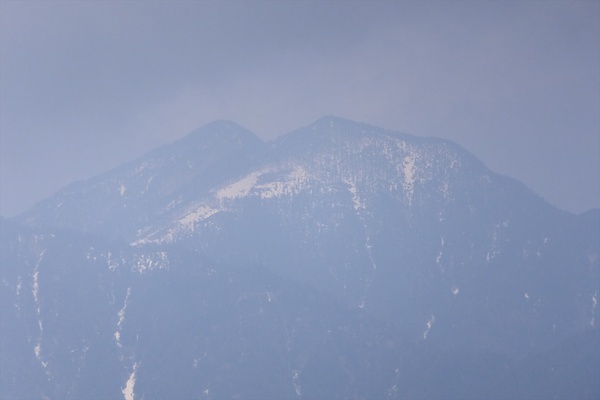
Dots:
{"x": 257, "y": 150}
{"x": 339, "y": 260}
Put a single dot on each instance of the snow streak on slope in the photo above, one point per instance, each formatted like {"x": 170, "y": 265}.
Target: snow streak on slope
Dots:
{"x": 240, "y": 188}
{"x": 409, "y": 177}
{"x": 121, "y": 315}
{"x": 127, "y": 391}
{"x": 200, "y": 214}
{"x": 255, "y": 184}
{"x": 294, "y": 181}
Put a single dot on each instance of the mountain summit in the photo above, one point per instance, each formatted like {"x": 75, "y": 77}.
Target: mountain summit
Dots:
{"x": 116, "y": 202}
{"x": 340, "y": 260}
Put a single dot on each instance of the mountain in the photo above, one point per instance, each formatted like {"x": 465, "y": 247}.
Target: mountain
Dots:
{"x": 341, "y": 260}
{"x": 130, "y": 195}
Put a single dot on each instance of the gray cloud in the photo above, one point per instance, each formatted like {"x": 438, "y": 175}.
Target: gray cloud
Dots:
{"x": 87, "y": 85}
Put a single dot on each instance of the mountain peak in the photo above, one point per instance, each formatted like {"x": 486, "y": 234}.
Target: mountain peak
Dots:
{"x": 220, "y": 131}
{"x": 333, "y": 123}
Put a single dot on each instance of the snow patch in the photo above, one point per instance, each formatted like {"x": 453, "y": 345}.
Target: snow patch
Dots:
{"x": 439, "y": 256}
{"x": 297, "y": 387}
{"x": 240, "y": 188}
{"x": 127, "y": 391}
{"x": 409, "y": 176}
{"x": 429, "y": 324}
{"x": 199, "y": 214}
{"x": 145, "y": 262}
{"x": 37, "y": 350}
{"x": 111, "y": 262}
{"x": 355, "y": 198}
{"x": 121, "y": 315}
{"x": 19, "y": 285}
{"x": 35, "y": 289}
{"x": 293, "y": 183}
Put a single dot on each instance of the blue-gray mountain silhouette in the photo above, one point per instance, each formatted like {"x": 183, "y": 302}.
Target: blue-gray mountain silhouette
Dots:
{"x": 341, "y": 260}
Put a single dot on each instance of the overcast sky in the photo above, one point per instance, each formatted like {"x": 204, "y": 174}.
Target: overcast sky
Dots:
{"x": 86, "y": 86}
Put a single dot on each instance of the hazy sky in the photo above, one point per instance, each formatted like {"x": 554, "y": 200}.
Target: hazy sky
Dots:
{"x": 86, "y": 86}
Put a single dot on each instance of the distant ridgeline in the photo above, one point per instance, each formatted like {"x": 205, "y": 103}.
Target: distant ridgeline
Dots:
{"x": 339, "y": 261}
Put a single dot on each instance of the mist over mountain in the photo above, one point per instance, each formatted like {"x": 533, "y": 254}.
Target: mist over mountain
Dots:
{"x": 341, "y": 260}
